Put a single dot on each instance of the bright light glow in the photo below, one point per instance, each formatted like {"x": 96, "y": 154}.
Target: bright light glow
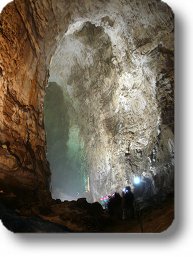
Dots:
{"x": 137, "y": 180}
{"x": 125, "y": 190}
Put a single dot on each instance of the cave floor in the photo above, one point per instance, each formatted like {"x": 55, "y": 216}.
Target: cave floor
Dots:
{"x": 153, "y": 220}
{"x": 80, "y": 216}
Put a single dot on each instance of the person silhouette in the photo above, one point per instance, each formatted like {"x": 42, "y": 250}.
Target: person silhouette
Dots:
{"x": 127, "y": 203}
{"x": 114, "y": 206}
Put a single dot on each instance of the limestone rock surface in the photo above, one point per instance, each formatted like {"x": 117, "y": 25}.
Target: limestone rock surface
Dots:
{"x": 114, "y": 60}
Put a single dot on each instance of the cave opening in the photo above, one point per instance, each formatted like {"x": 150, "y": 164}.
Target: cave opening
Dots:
{"x": 98, "y": 138}
{"x": 74, "y": 106}
{"x": 65, "y": 148}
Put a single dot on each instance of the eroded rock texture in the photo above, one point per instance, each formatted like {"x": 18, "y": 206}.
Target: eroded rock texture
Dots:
{"x": 114, "y": 60}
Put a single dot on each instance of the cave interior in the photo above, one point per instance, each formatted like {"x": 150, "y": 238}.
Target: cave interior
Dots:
{"x": 87, "y": 109}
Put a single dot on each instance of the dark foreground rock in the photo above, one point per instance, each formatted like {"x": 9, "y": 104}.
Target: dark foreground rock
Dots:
{"x": 81, "y": 216}
{"x": 67, "y": 216}
{"x": 16, "y": 223}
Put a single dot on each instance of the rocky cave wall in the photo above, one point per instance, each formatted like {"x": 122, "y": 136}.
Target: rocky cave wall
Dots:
{"x": 114, "y": 59}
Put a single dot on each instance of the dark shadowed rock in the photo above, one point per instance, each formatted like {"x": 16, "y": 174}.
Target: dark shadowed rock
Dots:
{"x": 21, "y": 224}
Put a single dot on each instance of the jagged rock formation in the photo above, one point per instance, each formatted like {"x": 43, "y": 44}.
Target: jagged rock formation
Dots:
{"x": 114, "y": 60}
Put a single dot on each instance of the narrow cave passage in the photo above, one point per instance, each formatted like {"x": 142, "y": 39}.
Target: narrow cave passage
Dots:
{"x": 65, "y": 149}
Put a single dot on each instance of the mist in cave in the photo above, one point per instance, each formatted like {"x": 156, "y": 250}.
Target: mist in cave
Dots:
{"x": 65, "y": 148}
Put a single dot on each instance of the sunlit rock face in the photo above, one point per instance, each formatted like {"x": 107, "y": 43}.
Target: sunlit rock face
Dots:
{"x": 113, "y": 62}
